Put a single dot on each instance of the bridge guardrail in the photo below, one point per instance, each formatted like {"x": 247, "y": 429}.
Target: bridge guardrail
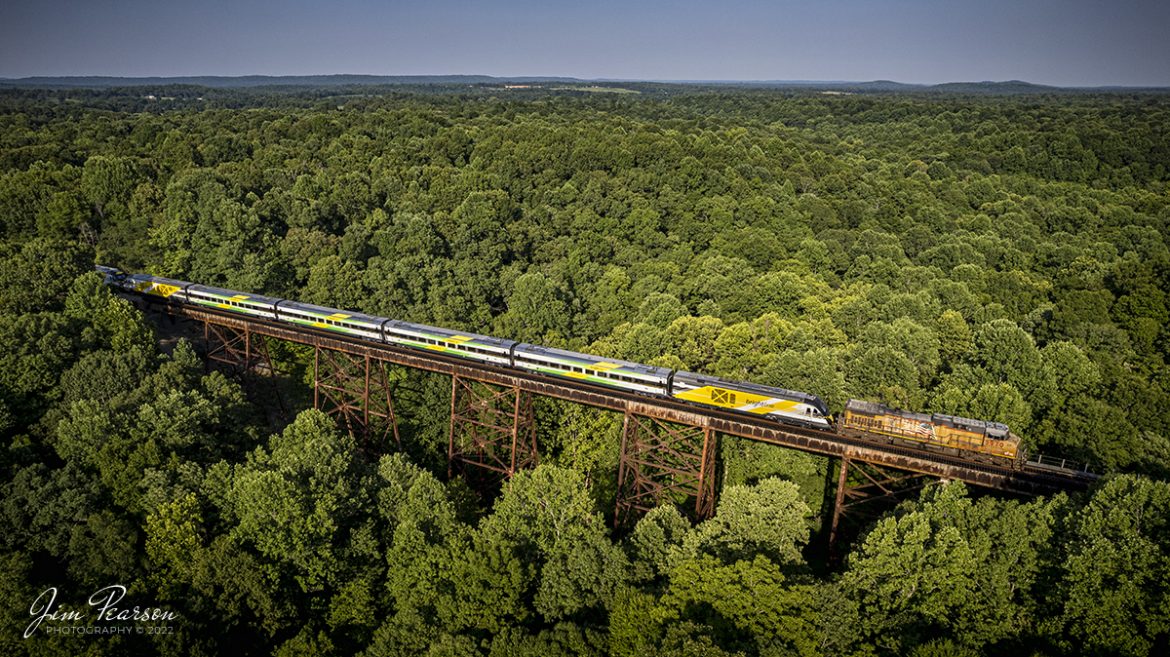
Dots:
{"x": 1058, "y": 463}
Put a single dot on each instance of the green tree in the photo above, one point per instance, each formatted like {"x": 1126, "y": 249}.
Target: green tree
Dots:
{"x": 1113, "y": 593}
{"x": 767, "y": 519}
{"x": 335, "y": 284}
{"x": 911, "y": 578}
{"x": 296, "y": 502}
{"x": 1009, "y": 354}
{"x": 106, "y": 181}
{"x": 884, "y": 373}
{"x": 536, "y": 311}
{"x": 37, "y": 275}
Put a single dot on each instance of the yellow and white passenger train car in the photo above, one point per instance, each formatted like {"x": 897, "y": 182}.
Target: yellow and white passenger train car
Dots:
{"x": 976, "y": 439}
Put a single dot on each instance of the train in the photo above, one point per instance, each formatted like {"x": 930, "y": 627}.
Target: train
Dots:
{"x": 954, "y": 435}
{"x": 964, "y": 437}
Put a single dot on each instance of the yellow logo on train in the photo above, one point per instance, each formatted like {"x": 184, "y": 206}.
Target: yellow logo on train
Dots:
{"x": 738, "y": 399}
{"x": 156, "y": 289}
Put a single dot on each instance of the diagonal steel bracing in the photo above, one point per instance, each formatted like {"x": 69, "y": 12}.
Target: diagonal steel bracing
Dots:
{"x": 862, "y": 484}
{"x": 642, "y": 477}
{"x": 238, "y": 349}
{"x": 355, "y": 389}
{"x": 492, "y": 428}
{"x": 660, "y": 461}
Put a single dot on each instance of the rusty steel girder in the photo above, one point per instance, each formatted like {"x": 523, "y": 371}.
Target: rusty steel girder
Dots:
{"x": 356, "y": 391}
{"x": 237, "y": 348}
{"x": 492, "y": 428}
{"x": 660, "y": 461}
{"x": 869, "y": 486}
{"x": 817, "y": 441}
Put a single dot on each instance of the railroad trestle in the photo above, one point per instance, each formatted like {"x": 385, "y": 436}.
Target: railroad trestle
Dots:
{"x": 669, "y": 448}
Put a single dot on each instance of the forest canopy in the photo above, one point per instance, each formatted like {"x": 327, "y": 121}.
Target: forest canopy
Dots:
{"x": 996, "y": 257}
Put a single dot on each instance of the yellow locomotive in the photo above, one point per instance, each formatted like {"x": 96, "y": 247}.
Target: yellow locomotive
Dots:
{"x": 953, "y": 435}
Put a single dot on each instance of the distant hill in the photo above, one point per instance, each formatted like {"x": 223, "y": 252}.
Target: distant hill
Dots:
{"x": 1009, "y": 87}
{"x": 838, "y": 85}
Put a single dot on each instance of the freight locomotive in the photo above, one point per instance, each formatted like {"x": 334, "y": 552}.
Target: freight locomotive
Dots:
{"x": 974, "y": 439}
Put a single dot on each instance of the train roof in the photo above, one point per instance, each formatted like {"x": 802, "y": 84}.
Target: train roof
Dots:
{"x": 747, "y": 386}
{"x": 448, "y": 333}
{"x": 333, "y": 313}
{"x": 553, "y": 352}
{"x": 874, "y": 408}
{"x": 233, "y": 294}
{"x": 970, "y": 422}
{"x": 157, "y": 279}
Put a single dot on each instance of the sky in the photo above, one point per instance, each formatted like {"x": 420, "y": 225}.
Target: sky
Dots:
{"x": 1058, "y": 42}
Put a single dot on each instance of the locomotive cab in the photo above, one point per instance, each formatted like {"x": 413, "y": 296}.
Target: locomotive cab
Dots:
{"x": 112, "y": 275}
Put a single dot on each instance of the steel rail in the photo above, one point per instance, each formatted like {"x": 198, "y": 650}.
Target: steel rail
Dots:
{"x": 1028, "y": 480}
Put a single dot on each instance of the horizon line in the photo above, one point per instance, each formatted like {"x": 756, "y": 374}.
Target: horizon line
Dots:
{"x": 681, "y": 81}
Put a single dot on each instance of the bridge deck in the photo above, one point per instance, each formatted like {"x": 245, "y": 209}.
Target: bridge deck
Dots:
{"x": 1030, "y": 480}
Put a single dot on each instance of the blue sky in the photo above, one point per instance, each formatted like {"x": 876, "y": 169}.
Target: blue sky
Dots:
{"x": 1070, "y": 42}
